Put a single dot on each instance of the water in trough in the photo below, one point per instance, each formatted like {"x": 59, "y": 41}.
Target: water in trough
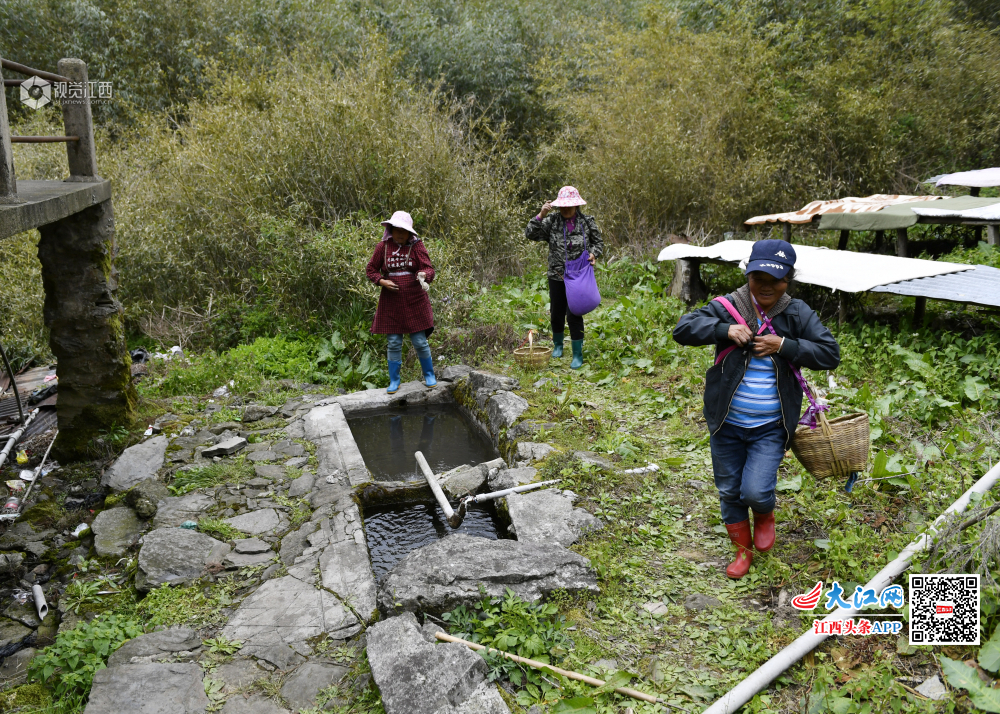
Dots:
{"x": 387, "y": 441}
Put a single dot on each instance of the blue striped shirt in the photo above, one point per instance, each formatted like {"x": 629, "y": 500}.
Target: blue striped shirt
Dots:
{"x": 756, "y": 402}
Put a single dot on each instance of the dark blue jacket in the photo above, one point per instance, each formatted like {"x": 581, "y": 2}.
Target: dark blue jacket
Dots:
{"x": 807, "y": 344}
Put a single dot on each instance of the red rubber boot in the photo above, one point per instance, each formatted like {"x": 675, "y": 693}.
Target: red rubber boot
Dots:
{"x": 739, "y": 533}
{"x": 763, "y": 531}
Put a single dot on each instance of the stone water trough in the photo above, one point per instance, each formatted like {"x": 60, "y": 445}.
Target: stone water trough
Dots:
{"x": 317, "y": 583}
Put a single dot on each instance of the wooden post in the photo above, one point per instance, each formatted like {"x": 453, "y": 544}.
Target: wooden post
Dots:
{"x": 901, "y": 243}
{"x": 879, "y": 241}
{"x": 974, "y": 190}
{"x": 993, "y": 234}
{"x": 8, "y": 183}
{"x": 78, "y": 121}
{"x": 919, "y": 309}
{"x": 841, "y": 308}
{"x": 977, "y": 234}
{"x": 842, "y": 244}
{"x": 786, "y": 228}
{"x": 687, "y": 284}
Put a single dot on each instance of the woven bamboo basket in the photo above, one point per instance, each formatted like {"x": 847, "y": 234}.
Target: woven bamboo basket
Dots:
{"x": 532, "y": 356}
{"x": 838, "y": 447}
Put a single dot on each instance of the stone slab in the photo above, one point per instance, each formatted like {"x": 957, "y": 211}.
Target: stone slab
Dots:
{"x": 240, "y": 560}
{"x": 492, "y": 382}
{"x": 548, "y": 516}
{"x": 462, "y": 480}
{"x": 256, "y": 522}
{"x": 253, "y": 705}
{"x": 509, "y": 478}
{"x": 251, "y": 546}
{"x": 14, "y": 669}
{"x": 262, "y": 457}
{"x": 155, "y": 688}
{"x": 415, "y": 676}
{"x": 453, "y": 372}
{"x": 533, "y": 451}
{"x": 174, "y": 510}
{"x": 440, "y": 576}
{"x": 485, "y": 700}
{"x": 227, "y": 447}
{"x": 12, "y": 633}
{"x": 301, "y": 486}
{"x": 145, "y": 496}
{"x": 238, "y": 674}
{"x": 176, "y": 555}
{"x": 136, "y": 464}
{"x": 336, "y": 450}
{"x": 346, "y": 570}
{"x": 503, "y": 409}
{"x": 153, "y": 644}
{"x": 409, "y": 394}
{"x": 302, "y": 686}
{"x": 287, "y": 611}
{"x": 115, "y": 531}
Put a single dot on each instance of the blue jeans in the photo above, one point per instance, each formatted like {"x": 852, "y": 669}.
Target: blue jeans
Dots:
{"x": 419, "y": 340}
{"x": 745, "y": 462}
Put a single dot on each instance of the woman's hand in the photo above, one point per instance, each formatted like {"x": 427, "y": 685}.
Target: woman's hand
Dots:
{"x": 766, "y": 345}
{"x": 546, "y": 207}
{"x": 388, "y": 284}
{"x": 591, "y": 258}
{"x": 740, "y": 334}
{"x": 422, "y": 275}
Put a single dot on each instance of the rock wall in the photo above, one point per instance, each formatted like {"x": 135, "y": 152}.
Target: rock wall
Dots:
{"x": 87, "y": 328}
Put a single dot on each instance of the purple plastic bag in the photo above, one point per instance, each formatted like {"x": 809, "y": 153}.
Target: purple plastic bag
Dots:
{"x": 582, "y": 295}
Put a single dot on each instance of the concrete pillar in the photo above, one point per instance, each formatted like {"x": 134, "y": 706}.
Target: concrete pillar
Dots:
{"x": 78, "y": 121}
{"x": 8, "y": 184}
{"x": 993, "y": 234}
{"x": 687, "y": 284}
{"x": 86, "y": 324}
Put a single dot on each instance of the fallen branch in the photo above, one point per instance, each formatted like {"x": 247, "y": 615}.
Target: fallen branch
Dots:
{"x": 627, "y": 691}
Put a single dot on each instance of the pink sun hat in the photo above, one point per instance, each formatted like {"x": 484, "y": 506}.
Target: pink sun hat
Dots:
{"x": 401, "y": 219}
{"x": 568, "y": 196}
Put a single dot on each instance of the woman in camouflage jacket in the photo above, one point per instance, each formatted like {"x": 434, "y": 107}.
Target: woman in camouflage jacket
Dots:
{"x": 568, "y": 233}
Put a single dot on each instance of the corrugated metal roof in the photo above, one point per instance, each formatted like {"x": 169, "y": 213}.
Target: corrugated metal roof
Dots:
{"x": 978, "y": 286}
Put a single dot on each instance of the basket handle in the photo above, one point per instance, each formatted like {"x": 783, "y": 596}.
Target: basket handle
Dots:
{"x": 840, "y": 466}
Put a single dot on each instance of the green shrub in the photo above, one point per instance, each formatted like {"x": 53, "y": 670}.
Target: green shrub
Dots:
{"x": 68, "y": 666}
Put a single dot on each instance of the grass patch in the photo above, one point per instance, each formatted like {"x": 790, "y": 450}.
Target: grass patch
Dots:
{"x": 231, "y": 471}
{"x": 194, "y": 605}
{"x": 218, "y": 528}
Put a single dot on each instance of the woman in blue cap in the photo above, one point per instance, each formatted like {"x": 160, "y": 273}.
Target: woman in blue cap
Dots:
{"x": 753, "y": 399}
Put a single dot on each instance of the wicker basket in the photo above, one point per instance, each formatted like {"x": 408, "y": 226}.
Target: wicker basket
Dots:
{"x": 838, "y": 447}
{"x": 532, "y": 356}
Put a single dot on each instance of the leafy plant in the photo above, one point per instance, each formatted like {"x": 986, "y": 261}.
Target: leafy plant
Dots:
{"x": 69, "y": 665}
{"x": 221, "y": 645}
{"x": 532, "y": 630}
{"x": 80, "y": 593}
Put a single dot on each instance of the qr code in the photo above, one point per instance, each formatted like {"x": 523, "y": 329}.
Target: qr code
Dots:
{"x": 944, "y": 609}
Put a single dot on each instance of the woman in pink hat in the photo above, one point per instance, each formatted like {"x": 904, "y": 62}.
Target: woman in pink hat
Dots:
{"x": 401, "y": 266}
{"x": 568, "y": 233}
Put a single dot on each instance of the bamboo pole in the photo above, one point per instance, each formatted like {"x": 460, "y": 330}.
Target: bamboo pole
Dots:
{"x": 627, "y": 691}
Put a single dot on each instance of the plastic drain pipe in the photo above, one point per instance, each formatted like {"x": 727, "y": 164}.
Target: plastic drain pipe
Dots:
{"x": 808, "y": 641}
{"x": 454, "y": 519}
{"x": 507, "y": 491}
{"x": 15, "y": 436}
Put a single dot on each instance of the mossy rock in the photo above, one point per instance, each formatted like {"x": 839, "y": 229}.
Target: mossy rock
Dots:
{"x": 27, "y": 695}
{"x": 44, "y": 514}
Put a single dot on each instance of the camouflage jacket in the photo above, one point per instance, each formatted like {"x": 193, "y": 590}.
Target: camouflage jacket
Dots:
{"x": 550, "y": 230}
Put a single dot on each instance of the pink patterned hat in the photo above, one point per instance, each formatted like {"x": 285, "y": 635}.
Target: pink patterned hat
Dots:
{"x": 568, "y": 196}
{"x": 400, "y": 219}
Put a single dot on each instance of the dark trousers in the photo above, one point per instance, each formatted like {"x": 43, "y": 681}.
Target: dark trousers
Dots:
{"x": 560, "y": 312}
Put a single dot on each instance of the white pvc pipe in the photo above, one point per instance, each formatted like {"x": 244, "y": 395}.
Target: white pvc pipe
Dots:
{"x": 808, "y": 641}
{"x": 508, "y": 491}
{"x": 15, "y": 436}
{"x": 436, "y": 489}
{"x": 40, "y": 605}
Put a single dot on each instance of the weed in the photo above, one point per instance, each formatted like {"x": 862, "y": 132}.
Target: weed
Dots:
{"x": 69, "y": 665}
{"x": 193, "y": 605}
{"x": 229, "y": 471}
{"x": 221, "y": 645}
{"x": 80, "y": 593}
{"x": 218, "y": 528}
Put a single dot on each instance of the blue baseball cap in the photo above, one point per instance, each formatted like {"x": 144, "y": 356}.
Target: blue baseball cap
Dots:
{"x": 774, "y": 257}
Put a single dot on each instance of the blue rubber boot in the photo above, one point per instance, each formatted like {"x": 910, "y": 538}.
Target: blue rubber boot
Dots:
{"x": 557, "y": 341}
{"x": 577, "y": 354}
{"x": 394, "y": 369}
{"x": 427, "y": 365}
